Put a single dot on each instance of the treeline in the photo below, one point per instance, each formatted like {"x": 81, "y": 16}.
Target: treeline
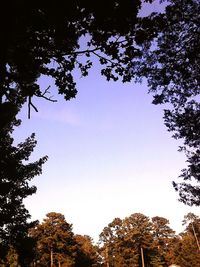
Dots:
{"x": 135, "y": 241}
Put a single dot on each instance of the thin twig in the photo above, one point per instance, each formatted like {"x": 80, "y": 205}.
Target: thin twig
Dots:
{"x": 46, "y": 91}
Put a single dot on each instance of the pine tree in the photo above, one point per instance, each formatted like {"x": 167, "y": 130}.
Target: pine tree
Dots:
{"x": 55, "y": 242}
{"x": 86, "y": 252}
{"x": 124, "y": 241}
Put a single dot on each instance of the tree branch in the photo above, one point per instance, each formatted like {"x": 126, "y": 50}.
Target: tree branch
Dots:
{"x": 46, "y": 91}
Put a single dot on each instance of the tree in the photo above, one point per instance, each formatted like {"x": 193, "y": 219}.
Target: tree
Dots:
{"x": 125, "y": 242}
{"x": 184, "y": 250}
{"x": 139, "y": 234}
{"x": 172, "y": 65}
{"x": 192, "y": 223}
{"x": 12, "y": 259}
{"x": 187, "y": 253}
{"x": 186, "y": 126}
{"x": 15, "y": 175}
{"x": 162, "y": 239}
{"x": 161, "y": 230}
{"x": 55, "y": 242}
{"x": 172, "y": 251}
{"x": 111, "y": 243}
{"x": 46, "y": 39}
{"x": 86, "y": 252}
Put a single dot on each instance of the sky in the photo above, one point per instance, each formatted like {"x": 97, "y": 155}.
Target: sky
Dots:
{"x": 110, "y": 156}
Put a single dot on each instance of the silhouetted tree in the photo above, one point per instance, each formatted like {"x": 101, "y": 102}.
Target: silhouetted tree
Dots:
{"x": 172, "y": 66}
{"x": 51, "y": 39}
{"x": 15, "y": 175}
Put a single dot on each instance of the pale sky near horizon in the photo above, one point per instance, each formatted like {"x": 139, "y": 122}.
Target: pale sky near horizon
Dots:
{"x": 110, "y": 155}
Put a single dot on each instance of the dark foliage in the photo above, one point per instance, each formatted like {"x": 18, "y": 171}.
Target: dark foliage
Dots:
{"x": 172, "y": 66}
{"x": 14, "y": 187}
{"x": 44, "y": 38}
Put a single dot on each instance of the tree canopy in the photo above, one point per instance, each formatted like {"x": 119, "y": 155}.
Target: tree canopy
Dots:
{"x": 54, "y": 239}
{"x": 56, "y": 244}
{"x": 171, "y": 65}
{"x": 86, "y": 253}
{"x": 41, "y": 38}
{"x": 125, "y": 242}
{"x": 121, "y": 244}
{"x": 186, "y": 249}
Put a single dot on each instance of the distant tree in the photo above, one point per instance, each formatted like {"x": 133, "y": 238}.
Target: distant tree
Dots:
{"x": 86, "y": 252}
{"x": 111, "y": 243}
{"x": 11, "y": 260}
{"x": 184, "y": 248}
{"x": 124, "y": 242}
{"x": 186, "y": 251}
{"x": 55, "y": 242}
{"x": 161, "y": 230}
{"x": 139, "y": 237}
{"x": 172, "y": 251}
{"x": 192, "y": 223}
{"x": 15, "y": 175}
{"x": 162, "y": 236}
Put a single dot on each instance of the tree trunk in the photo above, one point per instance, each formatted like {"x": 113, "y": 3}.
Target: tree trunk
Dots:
{"x": 142, "y": 256}
{"x": 51, "y": 257}
{"x": 107, "y": 257}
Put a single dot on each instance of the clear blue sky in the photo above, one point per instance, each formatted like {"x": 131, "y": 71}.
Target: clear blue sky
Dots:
{"x": 110, "y": 155}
